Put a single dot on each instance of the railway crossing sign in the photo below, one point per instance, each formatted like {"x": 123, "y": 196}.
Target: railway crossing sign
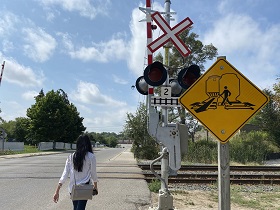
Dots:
{"x": 223, "y": 99}
{"x": 170, "y": 34}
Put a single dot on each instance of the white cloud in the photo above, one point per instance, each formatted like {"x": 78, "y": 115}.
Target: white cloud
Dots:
{"x": 249, "y": 46}
{"x": 86, "y": 8}
{"x": 29, "y": 95}
{"x": 7, "y": 45}
{"x": 18, "y": 110}
{"x": 137, "y": 48}
{"x": 7, "y": 23}
{"x": 234, "y": 32}
{"x": 137, "y": 59}
{"x": 39, "y": 44}
{"x": 101, "y": 52}
{"x": 89, "y": 93}
{"x": 119, "y": 80}
{"x": 114, "y": 49}
{"x": 66, "y": 41}
{"x": 83, "y": 108}
{"x": 50, "y": 16}
{"x": 108, "y": 120}
{"x": 21, "y": 75}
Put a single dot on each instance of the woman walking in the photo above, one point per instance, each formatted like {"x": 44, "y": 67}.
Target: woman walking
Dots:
{"x": 81, "y": 166}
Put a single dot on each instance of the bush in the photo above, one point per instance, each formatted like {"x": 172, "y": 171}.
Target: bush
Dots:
{"x": 243, "y": 148}
{"x": 202, "y": 151}
{"x": 148, "y": 152}
{"x": 154, "y": 186}
{"x": 251, "y": 147}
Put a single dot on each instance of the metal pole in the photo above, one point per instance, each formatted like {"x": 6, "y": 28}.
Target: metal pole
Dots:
{"x": 164, "y": 161}
{"x": 150, "y": 109}
{"x": 2, "y": 70}
{"x": 165, "y": 198}
{"x": 223, "y": 173}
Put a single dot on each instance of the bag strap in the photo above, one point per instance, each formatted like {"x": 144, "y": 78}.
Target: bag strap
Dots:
{"x": 72, "y": 159}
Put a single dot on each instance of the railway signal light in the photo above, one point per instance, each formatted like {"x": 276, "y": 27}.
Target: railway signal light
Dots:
{"x": 142, "y": 86}
{"x": 176, "y": 89}
{"x": 154, "y": 74}
{"x": 188, "y": 76}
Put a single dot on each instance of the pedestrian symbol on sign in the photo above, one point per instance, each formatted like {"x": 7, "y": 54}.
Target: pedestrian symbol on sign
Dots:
{"x": 222, "y": 94}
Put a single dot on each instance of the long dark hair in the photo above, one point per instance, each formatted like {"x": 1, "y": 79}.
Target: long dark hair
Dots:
{"x": 82, "y": 148}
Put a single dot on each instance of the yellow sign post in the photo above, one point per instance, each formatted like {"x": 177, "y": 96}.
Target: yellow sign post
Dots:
{"x": 223, "y": 99}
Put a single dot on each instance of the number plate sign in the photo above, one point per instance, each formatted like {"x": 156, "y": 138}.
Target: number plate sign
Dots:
{"x": 165, "y": 92}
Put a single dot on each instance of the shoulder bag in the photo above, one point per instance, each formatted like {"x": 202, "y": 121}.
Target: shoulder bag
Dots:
{"x": 82, "y": 191}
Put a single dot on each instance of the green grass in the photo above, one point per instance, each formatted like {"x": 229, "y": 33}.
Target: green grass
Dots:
{"x": 27, "y": 149}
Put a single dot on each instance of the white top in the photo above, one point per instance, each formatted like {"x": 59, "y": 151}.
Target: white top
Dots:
{"x": 88, "y": 172}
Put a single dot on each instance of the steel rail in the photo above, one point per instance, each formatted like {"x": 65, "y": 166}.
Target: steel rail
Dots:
{"x": 215, "y": 168}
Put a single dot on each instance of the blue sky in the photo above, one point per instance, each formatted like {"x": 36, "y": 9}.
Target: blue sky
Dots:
{"x": 96, "y": 49}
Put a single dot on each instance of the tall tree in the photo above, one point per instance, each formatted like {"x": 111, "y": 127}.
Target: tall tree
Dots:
{"x": 21, "y": 129}
{"x": 54, "y": 118}
{"x": 144, "y": 146}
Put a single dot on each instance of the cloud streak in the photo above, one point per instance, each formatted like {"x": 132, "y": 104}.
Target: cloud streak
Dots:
{"x": 85, "y": 8}
{"x": 39, "y": 45}
{"x": 89, "y": 93}
{"x": 20, "y": 74}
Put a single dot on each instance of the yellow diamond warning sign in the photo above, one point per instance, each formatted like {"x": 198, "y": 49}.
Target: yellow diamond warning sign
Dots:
{"x": 223, "y": 99}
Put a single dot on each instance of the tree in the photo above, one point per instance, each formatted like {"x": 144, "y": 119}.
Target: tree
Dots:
{"x": 16, "y": 129}
{"x": 144, "y": 146}
{"x": 1, "y": 119}
{"x": 112, "y": 141}
{"x": 268, "y": 118}
{"x": 21, "y": 129}
{"x": 54, "y": 118}
{"x": 109, "y": 139}
{"x": 9, "y": 128}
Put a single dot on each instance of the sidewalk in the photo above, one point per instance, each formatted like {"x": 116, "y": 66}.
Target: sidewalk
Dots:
{"x": 121, "y": 185}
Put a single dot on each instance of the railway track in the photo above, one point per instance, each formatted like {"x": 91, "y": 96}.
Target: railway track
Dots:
{"x": 209, "y": 174}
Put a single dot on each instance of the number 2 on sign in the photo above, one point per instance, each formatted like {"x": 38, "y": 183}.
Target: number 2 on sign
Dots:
{"x": 165, "y": 92}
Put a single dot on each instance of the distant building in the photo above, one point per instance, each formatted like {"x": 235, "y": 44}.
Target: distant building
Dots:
{"x": 123, "y": 141}
{"x": 250, "y": 127}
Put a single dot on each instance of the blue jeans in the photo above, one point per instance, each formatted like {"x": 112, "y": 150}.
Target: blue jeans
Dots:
{"x": 80, "y": 205}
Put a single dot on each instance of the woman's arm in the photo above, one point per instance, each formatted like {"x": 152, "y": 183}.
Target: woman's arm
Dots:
{"x": 93, "y": 172}
{"x": 62, "y": 179}
{"x": 56, "y": 194}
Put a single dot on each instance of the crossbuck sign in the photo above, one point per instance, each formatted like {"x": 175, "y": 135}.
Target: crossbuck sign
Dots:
{"x": 170, "y": 34}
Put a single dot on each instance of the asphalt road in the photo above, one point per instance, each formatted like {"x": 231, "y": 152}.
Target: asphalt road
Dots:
{"x": 30, "y": 182}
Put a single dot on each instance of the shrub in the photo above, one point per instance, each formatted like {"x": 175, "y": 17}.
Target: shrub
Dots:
{"x": 202, "y": 151}
{"x": 251, "y": 147}
{"x": 243, "y": 148}
{"x": 154, "y": 186}
{"x": 145, "y": 152}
